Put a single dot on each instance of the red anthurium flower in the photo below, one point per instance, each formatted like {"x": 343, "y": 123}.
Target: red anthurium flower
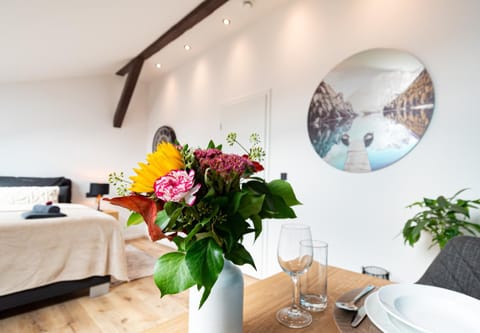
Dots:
{"x": 145, "y": 207}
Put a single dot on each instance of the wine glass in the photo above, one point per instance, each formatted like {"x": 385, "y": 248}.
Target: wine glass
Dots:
{"x": 294, "y": 259}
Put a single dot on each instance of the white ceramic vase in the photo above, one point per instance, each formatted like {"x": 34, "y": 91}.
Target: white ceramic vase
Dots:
{"x": 222, "y": 312}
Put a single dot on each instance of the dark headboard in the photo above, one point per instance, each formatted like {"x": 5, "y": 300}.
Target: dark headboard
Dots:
{"x": 65, "y": 184}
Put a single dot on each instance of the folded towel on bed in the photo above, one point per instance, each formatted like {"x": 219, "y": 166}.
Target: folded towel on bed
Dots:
{"x": 43, "y": 211}
{"x": 46, "y": 209}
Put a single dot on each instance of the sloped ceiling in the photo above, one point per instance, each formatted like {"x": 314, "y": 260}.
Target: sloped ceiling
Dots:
{"x": 49, "y": 39}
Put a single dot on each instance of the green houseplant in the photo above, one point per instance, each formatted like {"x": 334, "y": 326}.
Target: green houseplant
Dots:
{"x": 444, "y": 218}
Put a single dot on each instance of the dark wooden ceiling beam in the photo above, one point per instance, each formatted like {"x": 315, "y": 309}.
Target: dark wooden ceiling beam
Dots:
{"x": 194, "y": 17}
{"x": 134, "y": 66}
{"x": 127, "y": 92}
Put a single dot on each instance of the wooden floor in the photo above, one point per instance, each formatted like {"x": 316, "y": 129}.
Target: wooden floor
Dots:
{"x": 131, "y": 307}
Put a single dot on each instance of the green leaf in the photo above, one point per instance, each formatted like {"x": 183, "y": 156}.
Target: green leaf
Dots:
{"x": 444, "y": 218}
{"x": 169, "y": 207}
{"x": 277, "y": 208}
{"x": 240, "y": 256}
{"x": 196, "y": 229}
{"x": 250, "y": 205}
{"x": 456, "y": 194}
{"x": 211, "y": 145}
{"x": 442, "y": 202}
{"x": 236, "y": 200}
{"x": 473, "y": 225}
{"x": 232, "y": 230}
{"x": 284, "y": 190}
{"x": 134, "y": 218}
{"x": 162, "y": 219}
{"x": 429, "y": 202}
{"x": 460, "y": 210}
{"x": 180, "y": 242}
{"x": 257, "y": 225}
{"x": 418, "y": 203}
{"x": 173, "y": 218}
{"x": 171, "y": 274}
{"x": 205, "y": 262}
{"x": 257, "y": 186}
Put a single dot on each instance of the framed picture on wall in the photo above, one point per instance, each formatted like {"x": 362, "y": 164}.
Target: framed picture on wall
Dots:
{"x": 370, "y": 110}
{"x": 164, "y": 133}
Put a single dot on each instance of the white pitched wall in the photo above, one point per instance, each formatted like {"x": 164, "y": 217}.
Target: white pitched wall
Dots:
{"x": 289, "y": 52}
{"x": 65, "y": 128}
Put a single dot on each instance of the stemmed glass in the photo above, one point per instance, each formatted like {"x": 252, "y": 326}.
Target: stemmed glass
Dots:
{"x": 294, "y": 259}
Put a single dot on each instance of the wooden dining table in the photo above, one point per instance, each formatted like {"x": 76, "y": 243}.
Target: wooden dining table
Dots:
{"x": 264, "y": 298}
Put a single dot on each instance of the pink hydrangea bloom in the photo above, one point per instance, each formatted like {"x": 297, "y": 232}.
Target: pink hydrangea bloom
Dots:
{"x": 177, "y": 185}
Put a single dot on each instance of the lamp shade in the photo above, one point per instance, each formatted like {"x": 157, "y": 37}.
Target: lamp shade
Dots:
{"x": 98, "y": 189}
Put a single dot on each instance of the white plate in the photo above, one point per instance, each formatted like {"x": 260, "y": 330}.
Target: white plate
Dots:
{"x": 430, "y": 309}
{"x": 380, "y": 318}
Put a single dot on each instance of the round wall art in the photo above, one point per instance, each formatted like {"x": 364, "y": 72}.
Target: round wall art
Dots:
{"x": 371, "y": 110}
{"x": 164, "y": 133}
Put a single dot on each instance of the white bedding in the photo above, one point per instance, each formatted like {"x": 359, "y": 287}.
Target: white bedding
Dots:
{"x": 37, "y": 252}
{"x": 18, "y": 195}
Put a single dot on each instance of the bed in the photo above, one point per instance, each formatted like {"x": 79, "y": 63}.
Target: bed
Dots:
{"x": 48, "y": 257}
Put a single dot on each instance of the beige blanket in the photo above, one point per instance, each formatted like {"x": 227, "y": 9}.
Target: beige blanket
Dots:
{"x": 37, "y": 252}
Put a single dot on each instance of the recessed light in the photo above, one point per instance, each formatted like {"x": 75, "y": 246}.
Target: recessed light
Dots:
{"x": 226, "y": 21}
{"x": 248, "y": 3}
{"x": 187, "y": 47}
{"x": 158, "y": 65}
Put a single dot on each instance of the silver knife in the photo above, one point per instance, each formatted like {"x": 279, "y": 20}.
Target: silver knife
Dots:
{"x": 359, "y": 316}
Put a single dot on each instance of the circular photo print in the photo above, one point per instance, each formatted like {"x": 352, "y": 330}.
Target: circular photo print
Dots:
{"x": 164, "y": 133}
{"x": 370, "y": 110}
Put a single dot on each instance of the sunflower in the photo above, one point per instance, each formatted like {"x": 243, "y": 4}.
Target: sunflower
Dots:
{"x": 165, "y": 159}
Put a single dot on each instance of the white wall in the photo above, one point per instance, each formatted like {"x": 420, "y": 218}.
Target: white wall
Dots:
{"x": 65, "y": 128}
{"x": 289, "y": 52}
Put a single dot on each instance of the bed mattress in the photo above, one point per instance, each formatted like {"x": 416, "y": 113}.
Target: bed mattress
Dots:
{"x": 38, "y": 252}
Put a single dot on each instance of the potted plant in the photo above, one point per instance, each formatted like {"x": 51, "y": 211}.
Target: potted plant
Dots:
{"x": 444, "y": 218}
{"x": 205, "y": 201}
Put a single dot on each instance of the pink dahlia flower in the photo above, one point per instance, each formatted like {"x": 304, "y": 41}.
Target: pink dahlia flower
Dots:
{"x": 177, "y": 185}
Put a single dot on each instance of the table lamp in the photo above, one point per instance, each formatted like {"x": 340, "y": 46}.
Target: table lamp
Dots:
{"x": 98, "y": 190}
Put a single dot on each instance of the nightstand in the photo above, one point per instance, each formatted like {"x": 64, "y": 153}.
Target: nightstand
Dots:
{"x": 110, "y": 212}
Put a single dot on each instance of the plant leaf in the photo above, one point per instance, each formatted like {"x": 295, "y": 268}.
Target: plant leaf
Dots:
{"x": 171, "y": 274}
{"x": 162, "y": 219}
{"x": 134, "y": 219}
{"x": 443, "y": 218}
{"x": 455, "y": 195}
{"x": 257, "y": 225}
{"x": 236, "y": 200}
{"x": 205, "y": 262}
{"x": 232, "y": 230}
{"x": 196, "y": 229}
{"x": 250, "y": 205}
{"x": 284, "y": 190}
{"x": 257, "y": 186}
{"x": 430, "y": 203}
{"x": 460, "y": 210}
{"x": 180, "y": 243}
{"x": 276, "y": 208}
{"x": 240, "y": 256}
{"x": 145, "y": 207}
{"x": 442, "y": 202}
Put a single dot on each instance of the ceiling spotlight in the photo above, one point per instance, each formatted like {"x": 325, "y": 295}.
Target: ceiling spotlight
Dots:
{"x": 226, "y": 21}
{"x": 158, "y": 65}
{"x": 248, "y": 3}
{"x": 187, "y": 47}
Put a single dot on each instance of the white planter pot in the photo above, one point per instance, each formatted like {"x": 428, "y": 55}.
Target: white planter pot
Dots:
{"x": 222, "y": 312}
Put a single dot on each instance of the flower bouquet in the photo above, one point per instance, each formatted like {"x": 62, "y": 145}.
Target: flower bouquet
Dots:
{"x": 205, "y": 201}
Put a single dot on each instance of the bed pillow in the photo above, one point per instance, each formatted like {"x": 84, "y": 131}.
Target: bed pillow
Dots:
{"x": 19, "y": 195}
